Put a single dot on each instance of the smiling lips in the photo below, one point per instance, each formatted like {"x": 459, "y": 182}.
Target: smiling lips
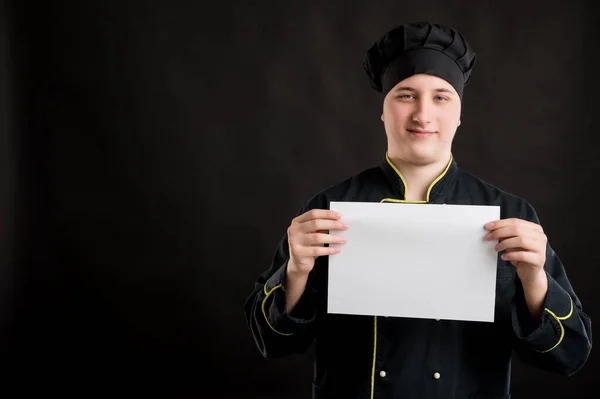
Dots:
{"x": 420, "y": 132}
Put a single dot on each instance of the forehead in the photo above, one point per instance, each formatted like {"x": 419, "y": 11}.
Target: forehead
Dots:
{"x": 423, "y": 82}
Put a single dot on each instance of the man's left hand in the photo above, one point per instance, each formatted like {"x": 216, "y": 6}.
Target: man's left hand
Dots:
{"x": 525, "y": 245}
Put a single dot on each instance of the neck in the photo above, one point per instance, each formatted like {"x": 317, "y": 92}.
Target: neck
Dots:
{"x": 419, "y": 177}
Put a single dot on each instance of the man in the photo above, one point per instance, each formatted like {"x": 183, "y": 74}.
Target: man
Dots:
{"x": 422, "y": 69}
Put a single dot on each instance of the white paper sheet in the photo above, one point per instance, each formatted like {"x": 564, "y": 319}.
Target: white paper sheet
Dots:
{"x": 414, "y": 260}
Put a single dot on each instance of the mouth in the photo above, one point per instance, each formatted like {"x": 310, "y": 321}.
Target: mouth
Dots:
{"x": 420, "y": 132}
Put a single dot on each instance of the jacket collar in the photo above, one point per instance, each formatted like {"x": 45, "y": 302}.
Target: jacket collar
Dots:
{"x": 438, "y": 187}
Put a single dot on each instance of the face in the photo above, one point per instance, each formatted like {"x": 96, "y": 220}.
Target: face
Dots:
{"x": 421, "y": 115}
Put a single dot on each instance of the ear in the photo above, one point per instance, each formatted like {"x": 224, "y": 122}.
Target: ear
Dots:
{"x": 458, "y": 123}
{"x": 382, "y": 118}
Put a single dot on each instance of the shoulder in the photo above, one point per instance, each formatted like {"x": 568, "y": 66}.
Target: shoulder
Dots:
{"x": 490, "y": 194}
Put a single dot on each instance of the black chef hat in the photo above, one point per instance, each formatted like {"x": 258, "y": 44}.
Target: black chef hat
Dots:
{"x": 419, "y": 47}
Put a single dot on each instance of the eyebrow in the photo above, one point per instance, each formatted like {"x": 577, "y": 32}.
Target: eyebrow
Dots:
{"x": 440, "y": 90}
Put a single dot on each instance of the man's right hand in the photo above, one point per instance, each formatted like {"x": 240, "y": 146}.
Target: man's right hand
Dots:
{"x": 306, "y": 238}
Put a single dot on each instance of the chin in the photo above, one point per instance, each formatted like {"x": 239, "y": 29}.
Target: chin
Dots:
{"x": 422, "y": 161}
{"x": 419, "y": 153}
{"x": 422, "y": 157}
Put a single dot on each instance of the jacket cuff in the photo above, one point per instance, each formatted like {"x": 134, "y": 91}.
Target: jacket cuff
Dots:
{"x": 548, "y": 332}
{"x": 274, "y": 306}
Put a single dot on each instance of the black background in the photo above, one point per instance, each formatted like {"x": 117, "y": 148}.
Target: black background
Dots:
{"x": 152, "y": 153}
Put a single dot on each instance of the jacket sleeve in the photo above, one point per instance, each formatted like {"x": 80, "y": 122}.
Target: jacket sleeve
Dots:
{"x": 276, "y": 332}
{"x": 561, "y": 340}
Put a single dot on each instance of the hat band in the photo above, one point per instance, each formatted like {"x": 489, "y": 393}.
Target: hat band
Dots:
{"x": 426, "y": 61}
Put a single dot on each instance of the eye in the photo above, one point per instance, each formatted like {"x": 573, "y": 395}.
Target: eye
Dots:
{"x": 406, "y": 96}
{"x": 441, "y": 98}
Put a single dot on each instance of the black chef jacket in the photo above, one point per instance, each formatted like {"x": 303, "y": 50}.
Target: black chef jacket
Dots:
{"x": 371, "y": 357}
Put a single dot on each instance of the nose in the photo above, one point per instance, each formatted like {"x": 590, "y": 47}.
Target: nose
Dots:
{"x": 422, "y": 112}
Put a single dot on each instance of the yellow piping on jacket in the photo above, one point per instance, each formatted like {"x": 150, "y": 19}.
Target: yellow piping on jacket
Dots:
{"x": 562, "y": 329}
{"x": 264, "y": 301}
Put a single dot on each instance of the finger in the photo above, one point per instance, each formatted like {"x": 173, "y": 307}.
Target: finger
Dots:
{"x": 497, "y": 224}
{"x": 320, "y": 239}
{"x": 522, "y": 256}
{"x": 500, "y": 233}
{"x": 513, "y": 231}
{"x": 514, "y": 249}
{"x": 315, "y": 225}
{"x": 318, "y": 214}
{"x": 524, "y": 242}
{"x": 315, "y": 251}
